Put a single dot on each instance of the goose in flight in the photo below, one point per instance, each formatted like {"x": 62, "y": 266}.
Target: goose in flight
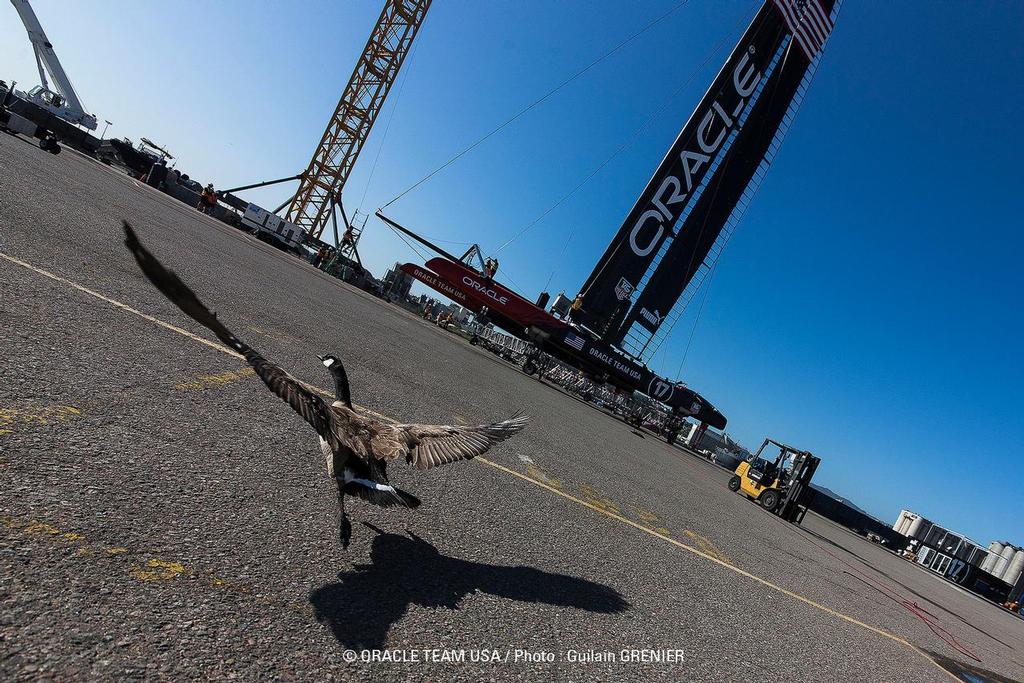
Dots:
{"x": 357, "y": 447}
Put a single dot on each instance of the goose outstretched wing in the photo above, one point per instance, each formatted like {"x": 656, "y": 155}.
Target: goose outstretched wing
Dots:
{"x": 427, "y": 446}
{"x": 311, "y": 407}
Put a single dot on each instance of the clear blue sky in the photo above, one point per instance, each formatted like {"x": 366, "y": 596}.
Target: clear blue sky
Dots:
{"x": 869, "y": 306}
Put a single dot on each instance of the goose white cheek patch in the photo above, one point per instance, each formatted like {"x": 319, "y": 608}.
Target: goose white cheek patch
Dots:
{"x": 328, "y": 362}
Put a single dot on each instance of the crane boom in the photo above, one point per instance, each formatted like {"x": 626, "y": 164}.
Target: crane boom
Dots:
{"x": 321, "y": 184}
{"x": 46, "y": 61}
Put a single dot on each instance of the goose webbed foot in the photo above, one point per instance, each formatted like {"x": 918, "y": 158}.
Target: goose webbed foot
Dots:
{"x": 344, "y": 531}
{"x": 344, "y": 526}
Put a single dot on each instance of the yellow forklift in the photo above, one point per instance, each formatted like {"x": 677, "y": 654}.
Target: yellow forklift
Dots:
{"x": 782, "y": 485}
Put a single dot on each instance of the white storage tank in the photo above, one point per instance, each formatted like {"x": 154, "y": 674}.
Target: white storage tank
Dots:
{"x": 1014, "y": 569}
{"x": 914, "y": 530}
{"x": 899, "y": 525}
{"x": 1003, "y": 561}
{"x": 994, "y": 548}
{"x": 908, "y": 519}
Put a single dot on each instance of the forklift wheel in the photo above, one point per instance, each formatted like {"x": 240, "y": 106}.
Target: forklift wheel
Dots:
{"x": 734, "y": 483}
{"x": 769, "y": 499}
{"x": 529, "y": 367}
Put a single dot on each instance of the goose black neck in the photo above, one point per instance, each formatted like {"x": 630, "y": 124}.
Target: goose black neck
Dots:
{"x": 341, "y": 389}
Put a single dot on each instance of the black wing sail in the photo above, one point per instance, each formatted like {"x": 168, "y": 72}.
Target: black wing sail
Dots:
{"x": 694, "y": 192}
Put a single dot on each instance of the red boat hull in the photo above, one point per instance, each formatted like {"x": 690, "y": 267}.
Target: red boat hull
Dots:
{"x": 497, "y": 297}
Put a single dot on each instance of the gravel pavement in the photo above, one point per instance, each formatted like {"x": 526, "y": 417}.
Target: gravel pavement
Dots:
{"x": 164, "y": 516}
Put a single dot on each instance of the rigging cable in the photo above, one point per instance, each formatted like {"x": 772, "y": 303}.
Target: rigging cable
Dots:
{"x": 812, "y": 69}
{"x": 636, "y": 133}
{"x": 426, "y": 257}
{"x": 538, "y": 101}
{"x": 408, "y": 243}
{"x": 718, "y": 185}
{"x": 394, "y": 108}
{"x": 700, "y": 309}
{"x": 564, "y": 247}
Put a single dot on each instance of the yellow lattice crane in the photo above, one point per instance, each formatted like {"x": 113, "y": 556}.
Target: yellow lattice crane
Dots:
{"x": 320, "y": 185}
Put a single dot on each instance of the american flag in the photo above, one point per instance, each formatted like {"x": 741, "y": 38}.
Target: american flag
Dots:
{"x": 808, "y": 22}
{"x": 574, "y": 340}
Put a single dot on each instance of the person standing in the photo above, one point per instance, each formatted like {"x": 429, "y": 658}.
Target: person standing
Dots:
{"x": 211, "y": 200}
{"x": 207, "y": 199}
{"x": 577, "y": 304}
{"x": 201, "y": 204}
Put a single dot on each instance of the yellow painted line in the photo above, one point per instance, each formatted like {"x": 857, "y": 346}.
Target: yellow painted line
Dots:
{"x": 598, "y": 499}
{"x": 13, "y": 416}
{"x": 539, "y": 474}
{"x": 705, "y": 544}
{"x": 142, "y": 566}
{"x": 598, "y": 506}
{"x": 723, "y": 563}
{"x": 158, "y": 570}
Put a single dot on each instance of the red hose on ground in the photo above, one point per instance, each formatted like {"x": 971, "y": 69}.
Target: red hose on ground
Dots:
{"x": 912, "y": 607}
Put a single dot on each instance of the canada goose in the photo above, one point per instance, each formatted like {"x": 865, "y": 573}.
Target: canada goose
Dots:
{"x": 357, "y": 447}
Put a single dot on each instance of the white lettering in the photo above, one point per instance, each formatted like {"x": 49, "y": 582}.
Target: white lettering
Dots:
{"x": 745, "y": 82}
{"x": 652, "y": 317}
{"x": 483, "y": 289}
{"x": 661, "y": 390}
{"x": 440, "y": 286}
{"x": 705, "y": 124}
{"x": 675, "y": 197}
{"x": 621, "y": 367}
{"x": 643, "y": 238}
{"x": 721, "y": 112}
{"x": 686, "y": 157}
{"x": 644, "y": 251}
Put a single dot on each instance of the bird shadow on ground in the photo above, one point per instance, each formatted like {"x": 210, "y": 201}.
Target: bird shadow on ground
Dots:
{"x": 363, "y": 603}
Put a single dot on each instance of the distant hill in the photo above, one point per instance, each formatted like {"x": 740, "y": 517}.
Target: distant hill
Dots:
{"x": 829, "y": 492}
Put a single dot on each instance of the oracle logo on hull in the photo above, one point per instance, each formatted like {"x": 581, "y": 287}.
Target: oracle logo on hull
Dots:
{"x": 485, "y": 290}
{"x": 669, "y": 200}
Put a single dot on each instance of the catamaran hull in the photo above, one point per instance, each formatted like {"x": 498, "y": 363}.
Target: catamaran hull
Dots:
{"x": 525, "y": 320}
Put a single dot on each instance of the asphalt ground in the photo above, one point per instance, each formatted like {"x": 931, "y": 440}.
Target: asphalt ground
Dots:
{"x": 164, "y": 516}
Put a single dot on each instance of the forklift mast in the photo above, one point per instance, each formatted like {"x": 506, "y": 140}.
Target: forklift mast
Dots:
{"x": 799, "y": 494}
